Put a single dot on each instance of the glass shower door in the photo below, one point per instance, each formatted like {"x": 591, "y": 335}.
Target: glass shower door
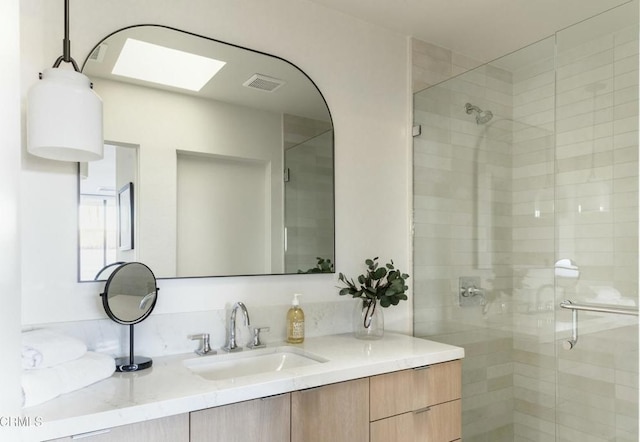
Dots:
{"x": 596, "y": 201}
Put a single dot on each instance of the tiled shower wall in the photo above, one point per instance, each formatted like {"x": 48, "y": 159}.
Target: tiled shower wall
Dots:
{"x": 504, "y": 201}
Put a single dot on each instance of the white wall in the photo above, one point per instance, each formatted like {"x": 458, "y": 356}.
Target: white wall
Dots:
{"x": 10, "y": 399}
{"x": 362, "y": 72}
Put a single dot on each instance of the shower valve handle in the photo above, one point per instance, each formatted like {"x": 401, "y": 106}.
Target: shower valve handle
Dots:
{"x": 471, "y": 291}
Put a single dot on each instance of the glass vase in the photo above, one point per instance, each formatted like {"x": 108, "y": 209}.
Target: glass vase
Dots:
{"x": 368, "y": 319}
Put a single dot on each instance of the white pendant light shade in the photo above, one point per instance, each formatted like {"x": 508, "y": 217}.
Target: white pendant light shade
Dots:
{"x": 64, "y": 117}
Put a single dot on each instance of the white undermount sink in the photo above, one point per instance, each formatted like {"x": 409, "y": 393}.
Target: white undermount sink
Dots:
{"x": 251, "y": 362}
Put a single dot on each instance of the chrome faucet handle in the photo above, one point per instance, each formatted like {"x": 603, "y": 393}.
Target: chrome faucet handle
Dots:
{"x": 205, "y": 347}
{"x": 255, "y": 340}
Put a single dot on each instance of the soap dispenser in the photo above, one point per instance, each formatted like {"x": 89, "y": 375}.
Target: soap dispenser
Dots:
{"x": 295, "y": 322}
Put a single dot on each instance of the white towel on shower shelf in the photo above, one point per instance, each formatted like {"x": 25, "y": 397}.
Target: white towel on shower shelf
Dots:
{"x": 45, "y": 348}
{"x": 39, "y": 386}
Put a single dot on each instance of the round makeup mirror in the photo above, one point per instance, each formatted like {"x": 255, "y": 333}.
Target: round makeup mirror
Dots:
{"x": 129, "y": 296}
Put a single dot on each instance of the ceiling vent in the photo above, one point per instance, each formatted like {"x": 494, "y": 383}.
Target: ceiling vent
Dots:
{"x": 263, "y": 83}
{"x": 98, "y": 53}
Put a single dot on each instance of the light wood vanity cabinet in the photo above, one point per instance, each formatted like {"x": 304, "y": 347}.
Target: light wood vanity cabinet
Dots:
{"x": 336, "y": 413}
{"x": 258, "y": 420}
{"x": 421, "y": 404}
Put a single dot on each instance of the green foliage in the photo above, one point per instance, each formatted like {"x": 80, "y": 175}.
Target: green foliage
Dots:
{"x": 323, "y": 266}
{"x": 386, "y": 284}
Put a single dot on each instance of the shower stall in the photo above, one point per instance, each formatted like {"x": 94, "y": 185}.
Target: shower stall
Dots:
{"x": 308, "y": 203}
{"x": 526, "y": 195}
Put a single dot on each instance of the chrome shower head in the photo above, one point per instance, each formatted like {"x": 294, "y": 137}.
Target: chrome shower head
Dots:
{"x": 482, "y": 117}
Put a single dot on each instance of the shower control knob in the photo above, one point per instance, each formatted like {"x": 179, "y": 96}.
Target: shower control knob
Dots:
{"x": 568, "y": 345}
{"x": 471, "y": 291}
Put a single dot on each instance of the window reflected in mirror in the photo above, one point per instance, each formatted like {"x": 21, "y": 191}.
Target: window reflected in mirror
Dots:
{"x": 98, "y": 212}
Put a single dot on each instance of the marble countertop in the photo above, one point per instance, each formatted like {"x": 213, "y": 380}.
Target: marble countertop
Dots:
{"x": 170, "y": 388}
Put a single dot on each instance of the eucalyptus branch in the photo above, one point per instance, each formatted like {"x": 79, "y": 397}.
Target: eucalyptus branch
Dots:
{"x": 385, "y": 284}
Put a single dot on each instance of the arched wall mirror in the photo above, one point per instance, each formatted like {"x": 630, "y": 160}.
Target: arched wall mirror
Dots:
{"x": 231, "y": 175}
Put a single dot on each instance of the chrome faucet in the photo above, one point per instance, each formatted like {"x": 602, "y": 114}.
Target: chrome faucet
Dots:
{"x": 231, "y": 335}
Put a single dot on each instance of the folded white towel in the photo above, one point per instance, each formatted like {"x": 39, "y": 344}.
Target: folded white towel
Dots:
{"x": 39, "y": 386}
{"x": 45, "y": 348}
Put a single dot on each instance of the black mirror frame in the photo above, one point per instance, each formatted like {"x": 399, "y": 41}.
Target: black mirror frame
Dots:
{"x": 298, "y": 272}
{"x": 105, "y": 296}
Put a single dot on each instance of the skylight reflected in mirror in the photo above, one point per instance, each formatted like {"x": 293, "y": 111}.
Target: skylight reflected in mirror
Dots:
{"x": 166, "y": 66}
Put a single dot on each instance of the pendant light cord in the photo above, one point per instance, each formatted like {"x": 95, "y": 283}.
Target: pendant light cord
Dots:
{"x": 66, "y": 43}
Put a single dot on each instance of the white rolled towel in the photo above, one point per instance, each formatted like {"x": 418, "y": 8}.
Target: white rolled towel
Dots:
{"x": 39, "y": 386}
{"x": 44, "y": 348}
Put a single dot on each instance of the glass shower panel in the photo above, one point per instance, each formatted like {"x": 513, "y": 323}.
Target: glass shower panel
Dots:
{"x": 532, "y": 254}
{"x": 597, "y": 225}
{"x": 483, "y": 216}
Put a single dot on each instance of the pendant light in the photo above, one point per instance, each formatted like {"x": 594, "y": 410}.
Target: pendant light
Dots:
{"x": 64, "y": 114}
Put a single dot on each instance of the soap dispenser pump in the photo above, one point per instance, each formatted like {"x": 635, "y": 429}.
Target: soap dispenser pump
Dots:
{"x": 295, "y": 322}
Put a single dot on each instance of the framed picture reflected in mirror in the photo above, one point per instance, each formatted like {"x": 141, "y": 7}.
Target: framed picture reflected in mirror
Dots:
{"x": 125, "y": 217}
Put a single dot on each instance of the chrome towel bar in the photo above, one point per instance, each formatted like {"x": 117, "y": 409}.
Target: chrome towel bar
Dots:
{"x": 601, "y": 308}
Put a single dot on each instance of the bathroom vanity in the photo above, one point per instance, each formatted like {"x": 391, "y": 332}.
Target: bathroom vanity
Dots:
{"x": 333, "y": 388}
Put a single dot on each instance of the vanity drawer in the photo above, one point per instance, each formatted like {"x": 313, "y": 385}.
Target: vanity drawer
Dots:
{"x": 439, "y": 423}
{"x": 414, "y": 389}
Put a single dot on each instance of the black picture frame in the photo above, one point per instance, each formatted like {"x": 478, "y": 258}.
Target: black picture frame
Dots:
{"x": 125, "y": 217}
